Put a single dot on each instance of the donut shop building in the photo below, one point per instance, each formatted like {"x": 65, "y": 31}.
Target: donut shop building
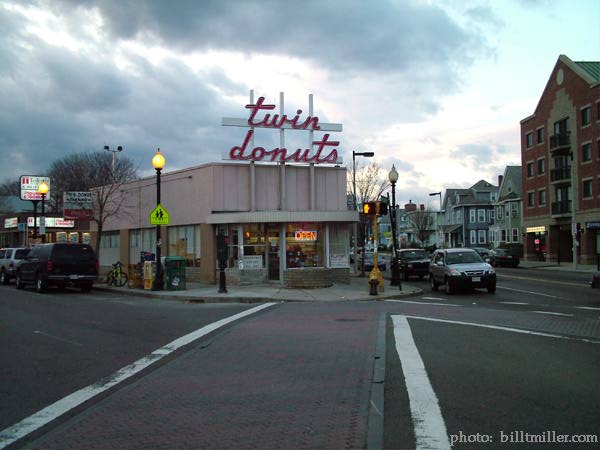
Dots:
{"x": 284, "y": 211}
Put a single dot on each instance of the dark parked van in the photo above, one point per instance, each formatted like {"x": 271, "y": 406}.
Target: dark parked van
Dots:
{"x": 59, "y": 265}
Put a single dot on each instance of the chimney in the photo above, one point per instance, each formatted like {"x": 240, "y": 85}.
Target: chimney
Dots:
{"x": 500, "y": 178}
{"x": 422, "y": 207}
{"x": 410, "y": 206}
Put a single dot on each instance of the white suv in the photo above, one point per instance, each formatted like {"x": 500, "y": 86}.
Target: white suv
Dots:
{"x": 9, "y": 257}
{"x": 460, "y": 267}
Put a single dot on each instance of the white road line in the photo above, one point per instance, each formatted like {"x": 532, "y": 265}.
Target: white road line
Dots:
{"x": 531, "y": 292}
{"x": 550, "y": 313}
{"x": 48, "y": 414}
{"x": 421, "y": 303}
{"x": 499, "y": 328}
{"x": 433, "y": 298}
{"x": 429, "y": 426}
{"x": 588, "y": 307}
{"x": 514, "y": 303}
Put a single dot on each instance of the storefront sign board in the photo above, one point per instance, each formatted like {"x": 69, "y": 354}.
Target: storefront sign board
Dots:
{"x": 52, "y": 222}
{"x": 252, "y": 262}
{"x": 78, "y": 205}
{"x": 11, "y": 222}
{"x": 30, "y": 185}
{"x": 338, "y": 261}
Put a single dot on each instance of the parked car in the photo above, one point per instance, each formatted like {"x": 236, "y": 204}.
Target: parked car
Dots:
{"x": 457, "y": 268}
{"x": 9, "y": 258}
{"x": 502, "y": 257}
{"x": 413, "y": 262}
{"x": 483, "y": 252}
{"x": 59, "y": 265}
{"x": 595, "y": 283}
{"x": 369, "y": 258}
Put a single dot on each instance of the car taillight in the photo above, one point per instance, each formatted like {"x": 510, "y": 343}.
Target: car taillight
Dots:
{"x": 50, "y": 265}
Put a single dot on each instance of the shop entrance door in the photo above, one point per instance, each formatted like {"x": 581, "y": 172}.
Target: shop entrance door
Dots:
{"x": 273, "y": 243}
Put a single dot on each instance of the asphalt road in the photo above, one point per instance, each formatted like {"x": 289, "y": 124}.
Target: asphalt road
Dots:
{"x": 485, "y": 369}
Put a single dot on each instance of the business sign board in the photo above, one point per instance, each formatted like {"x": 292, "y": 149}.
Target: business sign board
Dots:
{"x": 78, "y": 205}
{"x": 11, "y": 222}
{"x": 52, "y": 222}
{"x": 317, "y": 151}
{"x": 30, "y": 185}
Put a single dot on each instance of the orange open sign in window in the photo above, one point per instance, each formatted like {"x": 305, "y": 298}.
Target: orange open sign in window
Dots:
{"x": 303, "y": 235}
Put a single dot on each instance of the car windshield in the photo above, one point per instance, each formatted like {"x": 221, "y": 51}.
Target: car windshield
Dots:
{"x": 21, "y": 253}
{"x": 463, "y": 257}
{"x": 501, "y": 252}
{"x": 417, "y": 254}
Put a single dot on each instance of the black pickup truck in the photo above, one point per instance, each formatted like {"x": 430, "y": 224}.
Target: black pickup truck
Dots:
{"x": 413, "y": 262}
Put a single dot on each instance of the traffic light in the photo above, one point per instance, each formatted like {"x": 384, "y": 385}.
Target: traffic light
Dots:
{"x": 382, "y": 208}
{"x": 369, "y": 208}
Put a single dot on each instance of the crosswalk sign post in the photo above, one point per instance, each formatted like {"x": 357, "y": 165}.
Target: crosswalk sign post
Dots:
{"x": 159, "y": 216}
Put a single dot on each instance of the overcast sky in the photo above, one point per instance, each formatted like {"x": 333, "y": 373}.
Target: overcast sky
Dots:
{"x": 435, "y": 87}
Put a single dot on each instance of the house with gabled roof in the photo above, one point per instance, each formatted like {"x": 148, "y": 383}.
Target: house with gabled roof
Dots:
{"x": 507, "y": 227}
{"x": 467, "y": 215}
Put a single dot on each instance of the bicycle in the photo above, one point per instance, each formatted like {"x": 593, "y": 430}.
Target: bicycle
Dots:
{"x": 116, "y": 276}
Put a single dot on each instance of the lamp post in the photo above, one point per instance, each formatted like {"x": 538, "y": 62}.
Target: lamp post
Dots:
{"x": 119, "y": 149}
{"x": 158, "y": 162}
{"x": 393, "y": 177}
{"x": 43, "y": 190}
{"x": 354, "y": 155}
{"x": 439, "y": 225}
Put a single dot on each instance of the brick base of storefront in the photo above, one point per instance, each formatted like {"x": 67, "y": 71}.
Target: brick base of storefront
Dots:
{"x": 315, "y": 277}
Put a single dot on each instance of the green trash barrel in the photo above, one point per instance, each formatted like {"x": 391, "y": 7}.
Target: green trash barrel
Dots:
{"x": 175, "y": 273}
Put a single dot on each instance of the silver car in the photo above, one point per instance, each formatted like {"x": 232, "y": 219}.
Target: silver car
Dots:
{"x": 9, "y": 257}
{"x": 456, "y": 268}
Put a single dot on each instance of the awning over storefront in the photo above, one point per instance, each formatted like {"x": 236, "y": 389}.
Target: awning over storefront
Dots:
{"x": 451, "y": 228}
{"x": 282, "y": 217}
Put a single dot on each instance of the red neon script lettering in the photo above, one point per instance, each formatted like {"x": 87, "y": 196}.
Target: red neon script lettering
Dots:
{"x": 277, "y": 121}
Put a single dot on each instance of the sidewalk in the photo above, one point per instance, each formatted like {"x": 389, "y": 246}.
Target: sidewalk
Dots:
{"x": 563, "y": 266}
{"x": 358, "y": 289}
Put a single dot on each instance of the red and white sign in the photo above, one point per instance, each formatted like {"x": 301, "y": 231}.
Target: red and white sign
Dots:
{"x": 52, "y": 222}
{"x": 78, "y": 205}
{"x": 30, "y": 185}
{"x": 321, "y": 150}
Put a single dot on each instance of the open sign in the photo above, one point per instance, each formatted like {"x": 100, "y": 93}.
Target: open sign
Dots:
{"x": 302, "y": 235}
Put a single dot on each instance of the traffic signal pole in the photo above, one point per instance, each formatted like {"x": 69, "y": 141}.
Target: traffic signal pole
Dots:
{"x": 375, "y": 275}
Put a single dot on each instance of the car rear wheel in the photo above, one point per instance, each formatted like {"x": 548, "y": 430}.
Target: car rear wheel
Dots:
{"x": 492, "y": 288}
{"x": 40, "y": 284}
{"x": 3, "y": 277}
{"x": 432, "y": 283}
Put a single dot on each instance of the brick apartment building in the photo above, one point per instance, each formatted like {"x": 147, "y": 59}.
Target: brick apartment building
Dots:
{"x": 560, "y": 155}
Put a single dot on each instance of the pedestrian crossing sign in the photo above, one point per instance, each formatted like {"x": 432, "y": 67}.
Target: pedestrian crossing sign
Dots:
{"x": 159, "y": 216}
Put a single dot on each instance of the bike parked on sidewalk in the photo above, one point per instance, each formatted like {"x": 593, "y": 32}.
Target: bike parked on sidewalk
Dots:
{"x": 116, "y": 276}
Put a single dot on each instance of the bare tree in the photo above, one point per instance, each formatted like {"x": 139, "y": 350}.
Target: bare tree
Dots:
{"x": 8, "y": 189}
{"x": 422, "y": 221}
{"x": 92, "y": 171}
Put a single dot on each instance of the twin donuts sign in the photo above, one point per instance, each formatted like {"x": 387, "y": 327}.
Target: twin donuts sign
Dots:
{"x": 323, "y": 150}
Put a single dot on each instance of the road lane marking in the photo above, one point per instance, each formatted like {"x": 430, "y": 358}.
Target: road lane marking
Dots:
{"x": 60, "y": 407}
{"x": 553, "y": 313}
{"x": 588, "y": 307}
{"x": 430, "y": 429}
{"x": 421, "y": 303}
{"x": 531, "y": 292}
{"x": 500, "y": 328}
{"x": 565, "y": 283}
{"x": 433, "y": 298}
{"x": 514, "y": 303}
{"x": 58, "y": 338}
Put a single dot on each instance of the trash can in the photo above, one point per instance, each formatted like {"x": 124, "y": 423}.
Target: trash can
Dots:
{"x": 175, "y": 273}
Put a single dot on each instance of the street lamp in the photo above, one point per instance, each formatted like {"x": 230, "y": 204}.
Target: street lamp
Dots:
{"x": 119, "y": 149}
{"x": 43, "y": 190}
{"x": 354, "y": 155}
{"x": 158, "y": 162}
{"x": 432, "y": 194}
{"x": 393, "y": 177}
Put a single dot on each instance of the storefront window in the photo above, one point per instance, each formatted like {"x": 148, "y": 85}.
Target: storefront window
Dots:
{"x": 254, "y": 245}
{"x": 338, "y": 246}
{"x": 184, "y": 241}
{"x": 304, "y": 245}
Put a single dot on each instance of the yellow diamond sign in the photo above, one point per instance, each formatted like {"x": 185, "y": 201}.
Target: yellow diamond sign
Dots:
{"x": 159, "y": 216}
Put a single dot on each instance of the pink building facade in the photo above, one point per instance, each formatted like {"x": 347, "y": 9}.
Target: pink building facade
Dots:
{"x": 284, "y": 223}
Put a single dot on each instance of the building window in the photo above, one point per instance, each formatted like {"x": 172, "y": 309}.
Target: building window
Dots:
{"x": 587, "y": 188}
{"x": 473, "y": 236}
{"x": 500, "y": 212}
{"x": 489, "y": 214}
{"x": 304, "y": 245}
{"x": 541, "y": 166}
{"x": 134, "y": 238}
{"x": 503, "y": 235}
{"x": 515, "y": 235}
{"x": 481, "y": 215}
{"x": 472, "y": 215}
{"x": 586, "y": 116}
{"x": 184, "y": 241}
{"x": 529, "y": 170}
{"x": 542, "y": 197}
{"x": 529, "y": 140}
{"x": 514, "y": 208}
{"x": 530, "y": 199}
{"x": 586, "y": 152}
{"x": 540, "y": 135}
{"x": 110, "y": 239}
{"x": 481, "y": 236}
